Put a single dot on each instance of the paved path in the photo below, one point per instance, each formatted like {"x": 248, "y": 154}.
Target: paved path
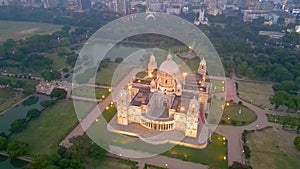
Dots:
{"x": 233, "y": 134}
{"x": 24, "y": 158}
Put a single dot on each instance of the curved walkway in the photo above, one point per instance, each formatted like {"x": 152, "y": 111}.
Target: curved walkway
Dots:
{"x": 233, "y": 134}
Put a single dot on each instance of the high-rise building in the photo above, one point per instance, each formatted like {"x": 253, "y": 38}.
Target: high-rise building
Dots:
{"x": 50, "y": 3}
{"x": 3, "y": 2}
{"x": 122, "y": 6}
{"x": 85, "y": 4}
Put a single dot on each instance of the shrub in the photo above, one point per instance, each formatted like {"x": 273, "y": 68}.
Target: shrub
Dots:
{"x": 59, "y": 93}
{"x": 247, "y": 151}
{"x": 47, "y": 103}
{"x": 18, "y": 125}
{"x": 17, "y": 148}
{"x": 33, "y": 113}
{"x": 3, "y": 143}
{"x": 297, "y": 142}
{"x": 233, "y": 122}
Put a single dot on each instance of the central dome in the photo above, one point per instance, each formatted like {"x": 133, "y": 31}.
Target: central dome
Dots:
{"x": 169, "y": 66}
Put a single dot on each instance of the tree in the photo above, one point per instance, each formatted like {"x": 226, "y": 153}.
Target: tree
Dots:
{"x": 59, "y": 93}
{"x": 118, "y": 60}
{"x": 47, "y": 103}
{"x": 297, "y": 142}
{"x": 3, "y": 143}
{"x": 46, "y": 161}
{"x": 33, "y": 113}
{"x": 237, "y": 165}
{"x": 280, "y": 99}
{"x": 51, "y": 75}
{"x": 17, "y": 148}
{"x": 18, "y": 125}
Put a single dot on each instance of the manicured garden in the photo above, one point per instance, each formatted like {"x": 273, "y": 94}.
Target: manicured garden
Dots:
{"x": 213, "y": 155}
{"x": 237, "y": 115}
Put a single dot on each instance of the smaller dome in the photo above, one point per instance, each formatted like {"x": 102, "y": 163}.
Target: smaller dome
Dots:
{"x": 152, "y": 57}
{"x": 169, "y": 66}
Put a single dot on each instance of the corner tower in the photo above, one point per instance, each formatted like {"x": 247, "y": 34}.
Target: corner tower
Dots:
{"x": 152, "y": 65}
{"x": 202, "y": 69}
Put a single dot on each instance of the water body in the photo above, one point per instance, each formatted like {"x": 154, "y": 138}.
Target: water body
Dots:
{"x": 18, "y": 112}
{"x": 6, "y": 163}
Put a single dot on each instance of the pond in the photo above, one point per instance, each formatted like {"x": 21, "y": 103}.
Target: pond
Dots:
{"x": 6, "y": 163}
{"x": 18, "y": 112}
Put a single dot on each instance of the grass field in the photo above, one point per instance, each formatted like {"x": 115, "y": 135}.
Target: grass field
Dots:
{"x": 218, "y": 86}
{"x": 107, "y": 163}
{"x": 273, "y": 148}
{"x": 5, "y": 93}
{"x": 112, "y": 74}
{"x": 212, "y": 155}
{"x": 90, "y": 92}
{"x": 231, "y": 113}
{"x": 259, "y": 93}
{"x": 19, "y": 30}
{"x": 45, "y": 133}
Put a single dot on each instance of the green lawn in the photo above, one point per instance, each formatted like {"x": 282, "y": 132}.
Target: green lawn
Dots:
{"x": 213, "y": 155}
{"x": 90, "y": 92}
{"x": 5, "y": 93}
{"x": 109, "y": 113}
{"x": 19, "y": 30}
{"x": 113, "y": 74}
{"x": 141, "y": 74}
{"x": 274, "y": 149}
{"x": 45, "y": 133}
{"x": 218, "y": 86}
{"x": 106, "y": 164}
{"x": 231, "y": 114}
{"x": 258, "y": 93}
{"x": 193, "y": 64}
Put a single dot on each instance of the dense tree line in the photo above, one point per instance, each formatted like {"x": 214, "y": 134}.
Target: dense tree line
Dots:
{"x": 286, "y": 95}
{"x": 74, "y": 157}
{"x": 247, "y": 53}
{"x": 297, "y": 142}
